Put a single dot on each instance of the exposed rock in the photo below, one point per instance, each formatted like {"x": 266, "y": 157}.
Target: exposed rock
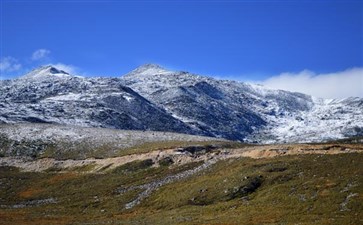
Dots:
{"x": 245, "y": 189}
{"x": 166, "y": 161}
{"x": 344, "y": 204}
{"x": 31, "y": 203}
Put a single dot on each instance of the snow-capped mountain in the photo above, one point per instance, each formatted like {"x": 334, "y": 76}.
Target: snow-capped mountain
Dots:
{"x": 48, "y": 95}
{"x": 249, "y": 112}
{"x": 154, "y": 98}
{"x": 45, "y": 72}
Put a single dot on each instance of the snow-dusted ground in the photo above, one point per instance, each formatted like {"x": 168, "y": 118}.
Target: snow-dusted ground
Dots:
{"x": 66, "y": 141}
{"x": 326, "y": 120}
{"x": 91, "y": 136}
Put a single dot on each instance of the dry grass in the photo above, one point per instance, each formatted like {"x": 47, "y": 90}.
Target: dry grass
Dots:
{"x": 162, "y": 145}
{"x": 304, "y": 189}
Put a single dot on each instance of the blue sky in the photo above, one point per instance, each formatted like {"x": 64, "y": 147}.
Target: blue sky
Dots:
{"x": 243, "y": 40}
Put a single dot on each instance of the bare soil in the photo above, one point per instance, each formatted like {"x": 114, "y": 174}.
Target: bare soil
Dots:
{"x": 179, "y": 157}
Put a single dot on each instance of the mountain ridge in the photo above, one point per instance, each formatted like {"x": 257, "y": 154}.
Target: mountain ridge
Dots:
{"x": 151, "y": 97}
{"x": 45, "y": 71}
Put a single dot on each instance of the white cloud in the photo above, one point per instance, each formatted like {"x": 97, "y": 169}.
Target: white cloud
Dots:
{"x": 40, "y": 54}
{"x": 343, "y": 84}
{"x": 67, "y": 68}
{"x": 9, "y": 64}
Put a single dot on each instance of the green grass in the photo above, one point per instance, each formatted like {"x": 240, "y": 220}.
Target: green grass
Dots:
{"x": 84, "y": 168}
{"x": 308, "y": 190}
{"x": 133, "y": 166}
{"x": 303, "y": 189}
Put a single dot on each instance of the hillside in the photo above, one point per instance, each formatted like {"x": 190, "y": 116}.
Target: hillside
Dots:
{"x": 153, "y": 98}
{"x": 272, "y": 184}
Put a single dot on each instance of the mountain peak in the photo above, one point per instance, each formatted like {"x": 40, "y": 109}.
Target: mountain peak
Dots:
{"x": 149, "y": 69}
{"x": 46, "y": 71}
{"x": 150, "y": 66}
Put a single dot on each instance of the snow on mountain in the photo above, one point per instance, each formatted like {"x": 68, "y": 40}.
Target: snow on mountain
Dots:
{"x": 249, "y": 112}
{"x": 64, "y": 99}
{"x": 154, "y": 98}
{"x": 149, "y": 69}
{"x": 221, "y": 108}
{"x": 45, "y": 72}
{"x": 326, "y": 120}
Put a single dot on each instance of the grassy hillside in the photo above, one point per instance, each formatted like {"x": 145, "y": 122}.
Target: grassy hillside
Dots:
{"x": 304, "y": 189}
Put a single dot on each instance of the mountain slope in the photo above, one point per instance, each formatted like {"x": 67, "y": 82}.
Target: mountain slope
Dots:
{"x": 44, "y": 96}
{"x": 154, "y": 98}
{"x": 248, "y": 112}
{"x": 310, "y": 189}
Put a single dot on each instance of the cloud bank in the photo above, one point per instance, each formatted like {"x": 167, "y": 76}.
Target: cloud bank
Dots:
{"x": 9, "y": 64}
{"x": 40, "y": 54}
{"x": 343, "y": 84}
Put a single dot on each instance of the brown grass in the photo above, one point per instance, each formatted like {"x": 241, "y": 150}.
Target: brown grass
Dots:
{"x": 304, "y": 189}
{"x": 30, "y": 192}
{"x": 62, "y": 177}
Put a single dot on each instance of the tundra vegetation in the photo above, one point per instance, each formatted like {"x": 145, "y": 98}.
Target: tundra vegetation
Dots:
{"x": 319, "y": 188}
